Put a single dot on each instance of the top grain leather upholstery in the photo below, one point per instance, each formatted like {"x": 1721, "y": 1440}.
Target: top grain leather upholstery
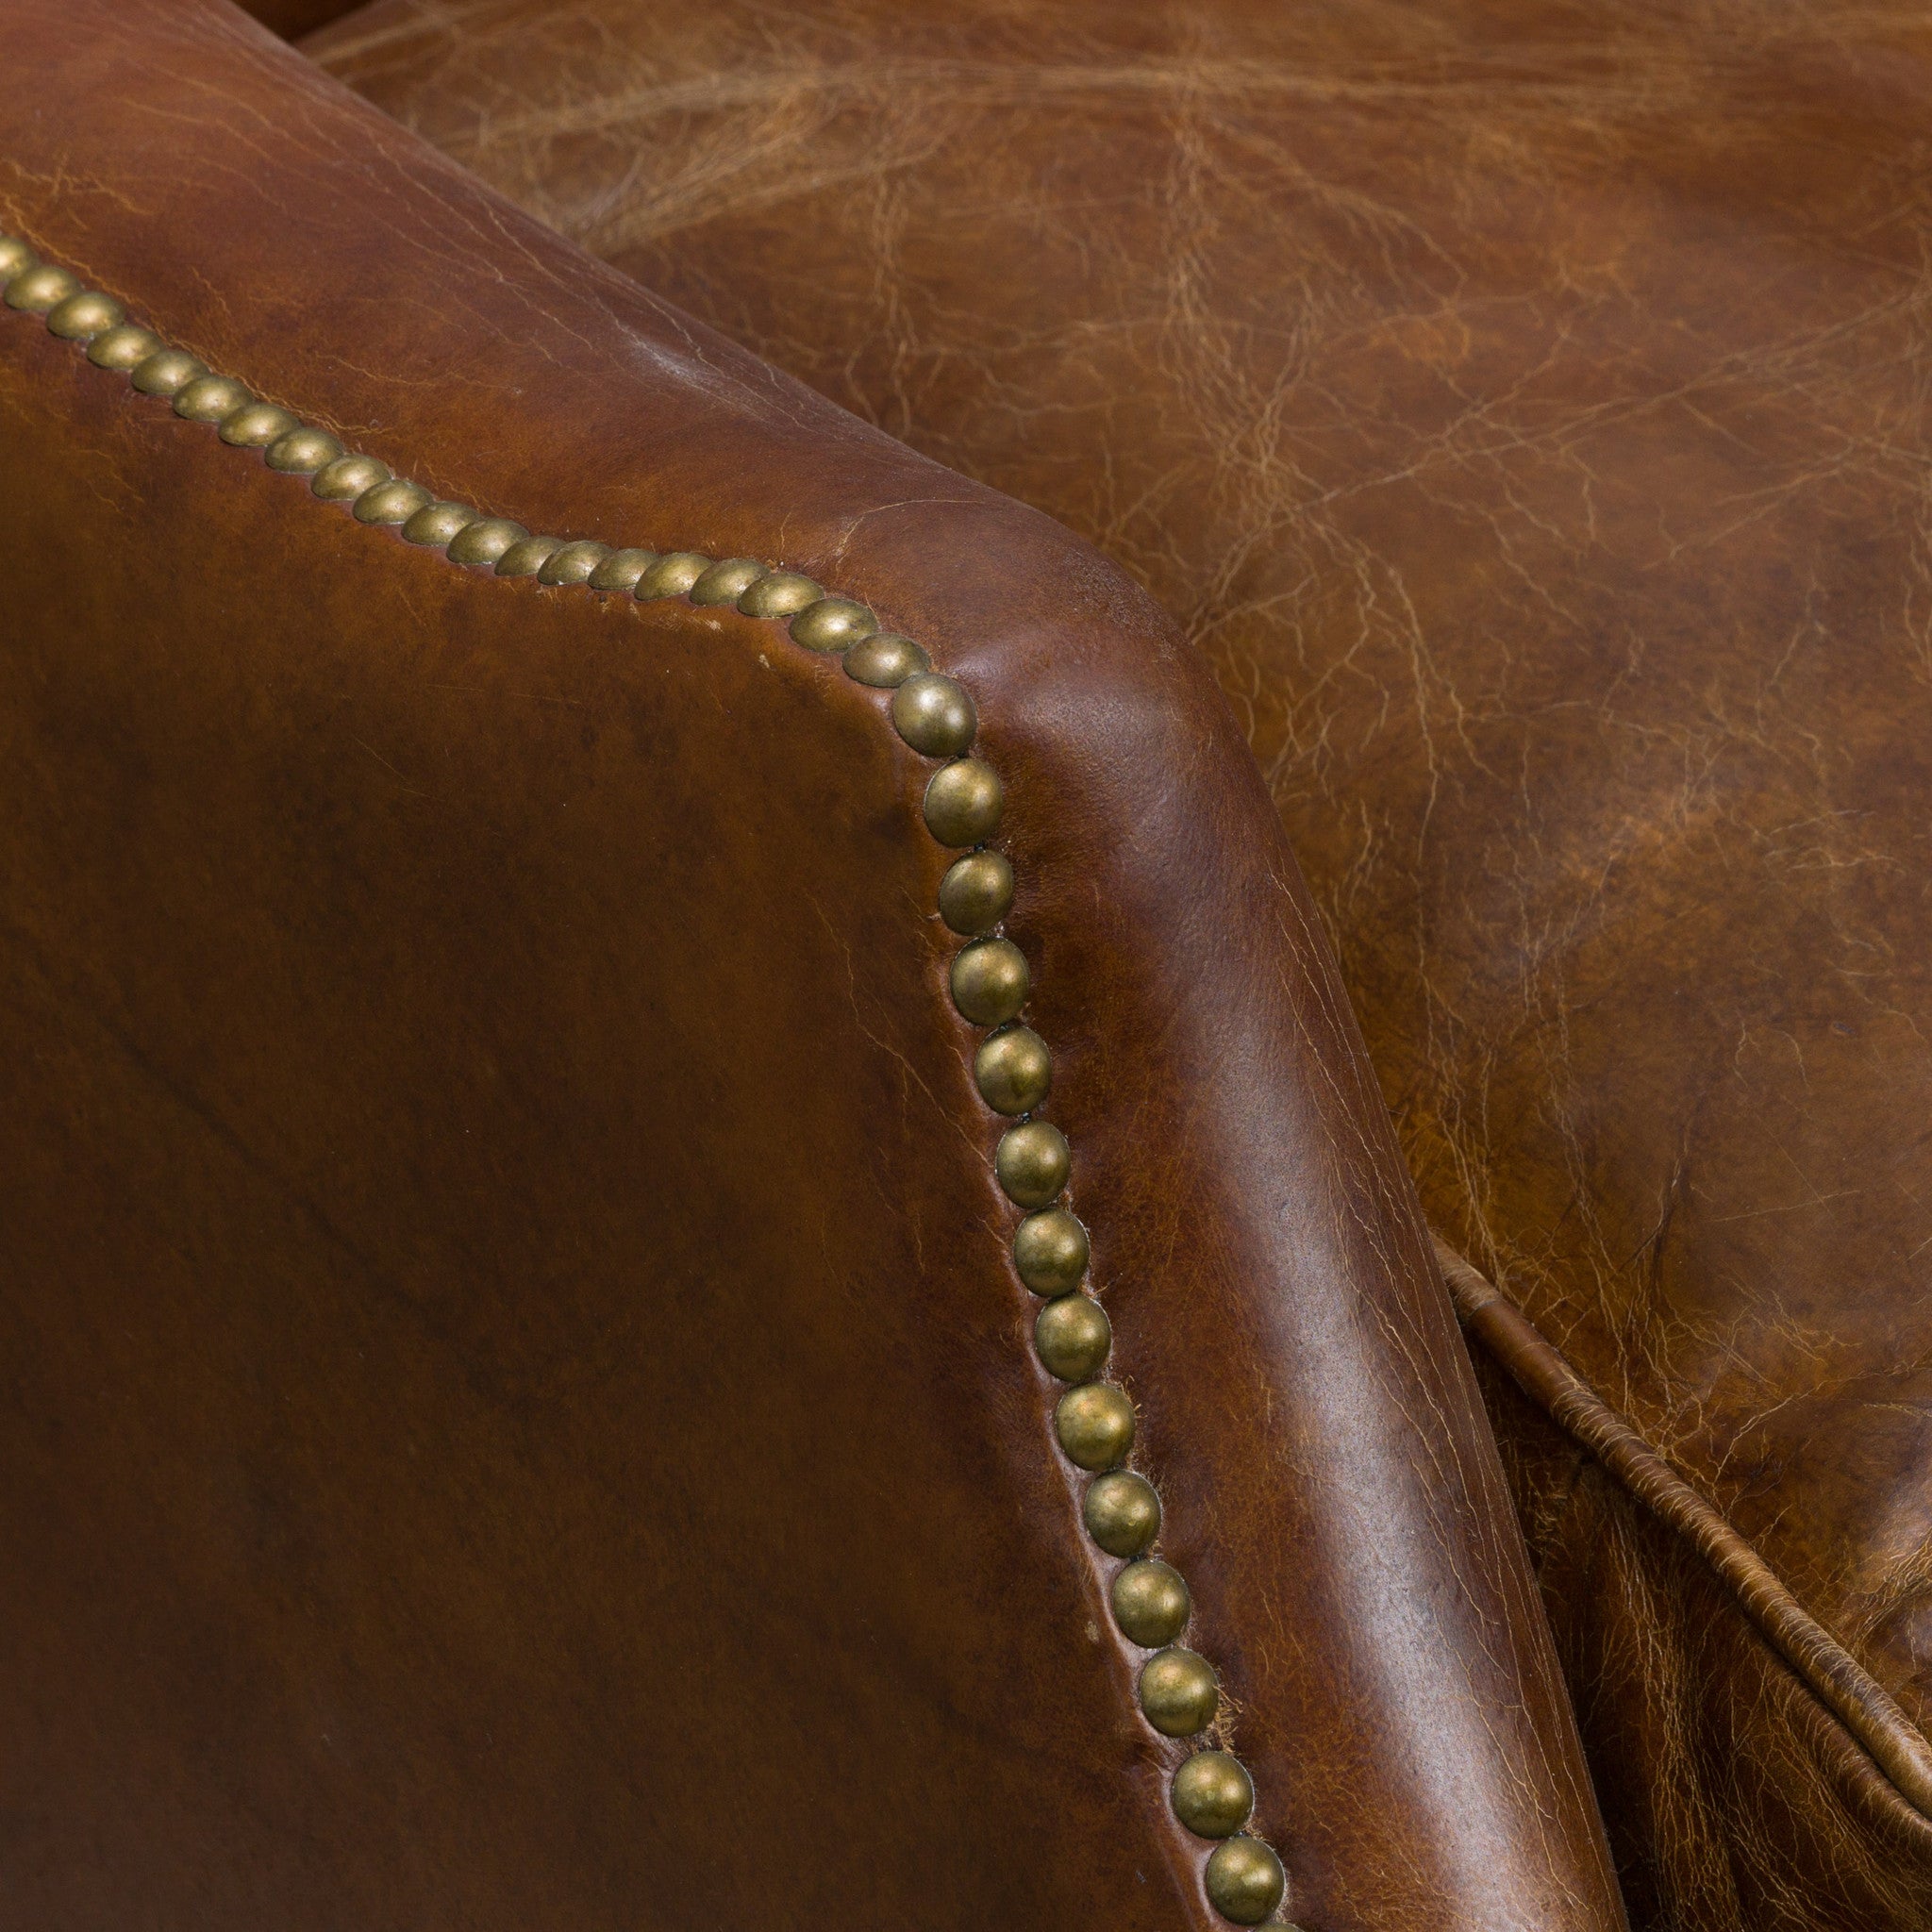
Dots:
{"x": 518, "y": 1408}
{"x": 1522, "y": 409}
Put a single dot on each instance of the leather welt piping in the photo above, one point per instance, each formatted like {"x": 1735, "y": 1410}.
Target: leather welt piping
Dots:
{"x": 1093, "y": 1419}
{"x": 1833, "y": 1675}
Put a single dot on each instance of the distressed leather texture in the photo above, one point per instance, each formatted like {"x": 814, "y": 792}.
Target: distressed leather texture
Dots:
{"x": 519, "y": 1409}
{"x": 1521, "y": 407}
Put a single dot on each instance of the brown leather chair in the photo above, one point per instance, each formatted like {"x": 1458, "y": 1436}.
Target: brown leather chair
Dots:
{"x": 1520, "y": 407}
{"x": 572, "y": 1110}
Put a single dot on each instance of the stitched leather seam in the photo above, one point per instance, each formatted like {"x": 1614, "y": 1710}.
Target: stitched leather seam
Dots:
{"x": 1862, "y": 1704}
{"x": 1179, "y": 1692}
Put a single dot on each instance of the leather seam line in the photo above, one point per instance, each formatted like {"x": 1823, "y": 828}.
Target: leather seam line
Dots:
{"x": 1832, "y": 1675}
{"x": 1178, "y": 1691}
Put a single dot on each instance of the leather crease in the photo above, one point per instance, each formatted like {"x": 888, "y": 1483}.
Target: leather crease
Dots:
{"x": 1833, "y": 1675}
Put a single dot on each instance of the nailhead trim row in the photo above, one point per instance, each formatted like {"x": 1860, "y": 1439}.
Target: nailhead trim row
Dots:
{"x": 1093, "y": 1419}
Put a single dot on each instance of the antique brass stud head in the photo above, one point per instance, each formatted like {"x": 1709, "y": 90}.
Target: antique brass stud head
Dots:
{"x": 83, "y": 316}
{"x": 989, "y": 981}
{"x": 1095, "y": 1424}
{"x": 1032, "y": 1163}
{"x": 884, "y": 659}
{"x": 963, "y": 803}
{"x": 208, "y": 398}
{"x": 1213, "y": 1795}
{"x": 833, "y": 623}
{"x": 727, "y": 581}
{"x": 39, "y": 288}
{"x": 255, "y": 426}
{"x": 302, "y": 452}
{"x": 167, "y": 371}
{"x": 124, "y": 348}
{"x": 934, "y": 715}
{"x": 1245, "y": 1880}
{"x": 778, "y": 594}
{"x": 394, "y": 501}
{"x": 1072, "y": 1338}
{"x": 1179, "y": 1692}
{"x": 976, "y": 890}
{"x": 14, "y": 255}
{"x": 621, "y": 570}
{"x": 436, "y": 524}
{"x": 1013, "y": 1069}
{"x": 671, "y": 575}
{"x": 485, "y": 541}
{"x": 572, "y": 563}
{"x": 1152, "y": 1606}
{"x": 342, "y": 480}
{"x": 1122, "y": 1512}
{"x": 527, "y": 555}
{"x": 1049, "y": 1252}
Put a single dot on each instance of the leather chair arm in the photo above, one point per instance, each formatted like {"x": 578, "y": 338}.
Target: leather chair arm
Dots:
{"x": 520, "y": 1320}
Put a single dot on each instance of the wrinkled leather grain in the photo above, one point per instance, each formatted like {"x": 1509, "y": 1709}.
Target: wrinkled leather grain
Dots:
{"x": 520, "y": 1412}
{"x": 1522, "y": 409}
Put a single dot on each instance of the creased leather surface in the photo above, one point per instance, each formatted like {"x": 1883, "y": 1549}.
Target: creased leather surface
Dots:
{"x": 1836, "y": 1678}
{"x": 518, "y": 1410}
{"x": 1522, "y": 409}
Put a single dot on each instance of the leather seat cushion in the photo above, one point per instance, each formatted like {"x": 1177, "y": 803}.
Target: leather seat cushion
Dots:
{"x": 1522, "y": 405}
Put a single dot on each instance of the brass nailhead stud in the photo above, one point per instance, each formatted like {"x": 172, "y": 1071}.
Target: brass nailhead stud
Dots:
{"x": 83, "y": 316}
{"x": 1049, "y": 1252}
{"x": 976, "y": 890}
{"x": 1179, "y": 1692}
{"x": 14, "y": 255}
{"x": 394, "y": 501}
{"x": 780, "y": 594}
{"x": 1014, "y": 1070}
{"x": 345, "y": 478}
{"x": 833, "y": 623}
{"x": 527, "y": 555}
{"x": 1245, "y": 1880}
{"x": 1152, "y": 1606}
{"x": 485, "y": 541}
{"x": 302, "y": 452}
{"x": 167, "y": 371}
{"x": 726, "y": 582}
{"x": 208, "y": 398}
{"x": 436, "y": 524}
{"x": 1095, "y": 1424}
{"x": 255, "y": 426}
{"x": 1072, "y": 1338}
{"x": 989, "y": 981}
{"x": 1213, "y": 1795}
{"x": 671, "y": 575}
{"x": 39, "y": 288}
{"x": 1122, "y": 1512}
{"x": 621, "y": 570}
{"x": 1032, "y": 1163}
{"x": 963, "y": 803}
{"x": 122, "y": 348}
{"x": 934, "y": 715}
{"x": 572, "y": 563}
{"x": 884, "y": 659}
